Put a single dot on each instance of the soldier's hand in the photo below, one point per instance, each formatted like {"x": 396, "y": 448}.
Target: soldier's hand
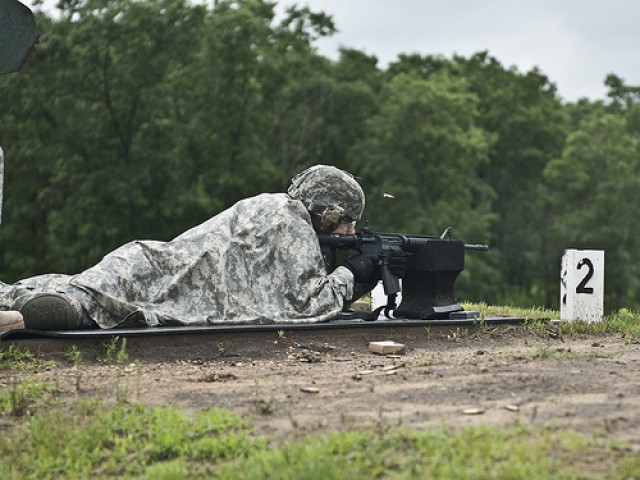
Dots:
{"x": 364, "y": 268}
{"x": 398, "y": 263}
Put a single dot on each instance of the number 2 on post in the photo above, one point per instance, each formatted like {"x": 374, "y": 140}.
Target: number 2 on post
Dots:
{"x": 582, "y": 286}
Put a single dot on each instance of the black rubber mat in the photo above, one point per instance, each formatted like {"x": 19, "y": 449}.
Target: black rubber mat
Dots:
{"x": 186, "y": 330}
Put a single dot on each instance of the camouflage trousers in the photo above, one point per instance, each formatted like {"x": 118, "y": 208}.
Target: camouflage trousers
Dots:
{"x": 13, "y": 297}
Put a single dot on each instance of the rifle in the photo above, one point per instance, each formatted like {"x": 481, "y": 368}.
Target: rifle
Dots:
{"x": 433, "y": 263}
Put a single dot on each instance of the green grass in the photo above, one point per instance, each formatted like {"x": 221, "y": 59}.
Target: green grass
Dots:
{"x": 20, "y": 394}
{"x": 92, "y": 440}
{"x": 23, "y": 397}
{"x": 508, "y": 311}
{"x": 623, "y": 322}
{"x": 21, "y": 360}
{"x": 471, "y": 453}
{"x": 547, "y": 352}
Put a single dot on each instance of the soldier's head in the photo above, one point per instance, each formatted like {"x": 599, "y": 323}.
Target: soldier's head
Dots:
{"x": 333, "y": 197}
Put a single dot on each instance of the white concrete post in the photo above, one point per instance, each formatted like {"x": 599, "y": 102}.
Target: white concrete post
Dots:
{"x": 378, "y": 297}
{"x": 582, "y": 285}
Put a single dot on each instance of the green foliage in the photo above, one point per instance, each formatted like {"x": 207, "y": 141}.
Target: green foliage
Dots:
{"x": 595, "y": 180}
{"x": 623, "y": 322}
{"x": 562, "y": 354}
{"x": 420, "y": 162}
{"x": 425, "y": 129}
{"x": 13, "y": 355}
{"x": 22, "y": 397}
{"x": 23, "y": 394}
{"x": 145, "y": 118}
{"x": 477, "y": 452}
{"x": 93, "y": 440}
{"x": 19, "y": 359}
{"x": 525, "y": 117}
{"x": 115, "y": 351}
{"x": 74, "y": 355}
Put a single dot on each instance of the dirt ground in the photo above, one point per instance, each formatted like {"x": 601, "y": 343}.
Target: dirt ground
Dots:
{"x": 300, "y": 382}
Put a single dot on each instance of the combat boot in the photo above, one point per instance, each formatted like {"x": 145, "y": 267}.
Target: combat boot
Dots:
{"x": 10, "y": 320}
{"x": 48, "y": 311}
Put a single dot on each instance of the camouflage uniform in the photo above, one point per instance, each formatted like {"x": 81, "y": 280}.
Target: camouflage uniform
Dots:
{"x": 258, "y": 262}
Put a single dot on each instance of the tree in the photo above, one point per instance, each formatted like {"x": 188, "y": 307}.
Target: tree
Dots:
{"x": 420, "y": 160}
{"x": 356, "y": 87}
{"x": 595, "y": 191}
{"x": 145, "y": 118}
{"x": 525, "y": 115}
{"x": 300, "y": 91}
{"x": 526, "y": 120}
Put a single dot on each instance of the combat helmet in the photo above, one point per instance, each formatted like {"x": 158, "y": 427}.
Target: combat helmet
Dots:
{"x": 329, "y": 192}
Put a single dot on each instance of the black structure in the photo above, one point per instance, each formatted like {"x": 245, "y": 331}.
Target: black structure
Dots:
{"x": 433, "y": 264}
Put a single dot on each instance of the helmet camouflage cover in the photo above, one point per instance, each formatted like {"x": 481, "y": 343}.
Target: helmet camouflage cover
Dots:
{"x": 329, "y": 192}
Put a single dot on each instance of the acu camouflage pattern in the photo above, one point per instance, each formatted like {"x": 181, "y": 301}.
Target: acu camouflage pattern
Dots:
{"x": 258, "y": 262}
{"x": 329, "y": 192}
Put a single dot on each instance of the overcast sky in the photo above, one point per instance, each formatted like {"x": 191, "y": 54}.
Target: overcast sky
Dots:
{"x": 576, "y": 43}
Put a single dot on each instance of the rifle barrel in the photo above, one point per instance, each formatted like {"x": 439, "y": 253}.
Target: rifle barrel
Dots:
{"x": 478, "y": 247}
{"x": 410, "y": 243}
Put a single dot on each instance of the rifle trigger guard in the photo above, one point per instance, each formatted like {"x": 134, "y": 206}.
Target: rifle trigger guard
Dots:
{"x": 373, "y": 316}
{"x": 391, "y": 305}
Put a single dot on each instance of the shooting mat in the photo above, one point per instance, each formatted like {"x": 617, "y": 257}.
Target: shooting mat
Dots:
{"x": 337, "y": 325}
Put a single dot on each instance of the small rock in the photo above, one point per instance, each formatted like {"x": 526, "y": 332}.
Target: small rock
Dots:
{"x": 389, "y": 368}
{"x": 217, "y": 377}
{"x": 310, "y": 356}
{"x": 386, "y": 347}
{"x": 309, "y": 390}
{"x": 473, "y": 411}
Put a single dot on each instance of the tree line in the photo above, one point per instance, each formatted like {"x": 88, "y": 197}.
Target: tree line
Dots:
{"x": 140, "y": 119}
